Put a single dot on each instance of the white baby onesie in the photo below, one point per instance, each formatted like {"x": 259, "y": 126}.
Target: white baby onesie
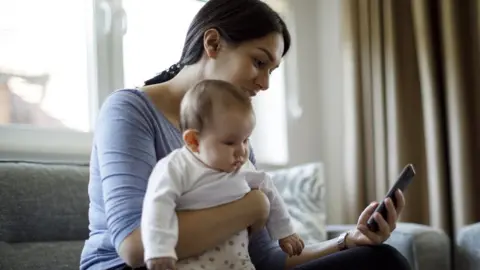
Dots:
{"x": 181, "y": 182}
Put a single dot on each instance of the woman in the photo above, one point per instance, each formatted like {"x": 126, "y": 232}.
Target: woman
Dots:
{"x": 241, "y": 42}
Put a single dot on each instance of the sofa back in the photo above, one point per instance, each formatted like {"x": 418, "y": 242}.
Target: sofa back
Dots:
{"x": 43, "y": 202}
{"x": 44, "y": 211}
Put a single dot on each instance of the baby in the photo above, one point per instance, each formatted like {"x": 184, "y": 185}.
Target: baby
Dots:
{"x": 211, "y": 169}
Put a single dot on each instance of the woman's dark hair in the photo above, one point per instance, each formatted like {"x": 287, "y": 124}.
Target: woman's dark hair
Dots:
{"x": 237, "y": 21}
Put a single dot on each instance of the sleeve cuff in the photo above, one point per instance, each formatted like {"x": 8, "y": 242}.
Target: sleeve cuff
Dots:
{"x": 279, "y": 232}
{"x": 121, "y": 235}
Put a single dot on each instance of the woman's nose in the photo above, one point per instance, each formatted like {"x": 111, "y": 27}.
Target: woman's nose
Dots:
{"x": 263, "y": 80}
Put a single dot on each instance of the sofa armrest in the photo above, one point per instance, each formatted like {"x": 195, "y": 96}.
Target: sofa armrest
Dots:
{"x": 468, "y": 248}
{"x": 337, "y": 229}
{"x": 423, "y": 246}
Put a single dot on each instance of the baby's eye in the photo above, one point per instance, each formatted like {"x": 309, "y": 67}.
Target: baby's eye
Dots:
{"x": 229, "y": 143}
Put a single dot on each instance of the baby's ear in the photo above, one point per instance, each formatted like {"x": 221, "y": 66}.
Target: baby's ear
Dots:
{"x": 190, "y": 137}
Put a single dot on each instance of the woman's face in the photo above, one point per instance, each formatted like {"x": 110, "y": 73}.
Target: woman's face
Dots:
{"x": 248, "y": 65}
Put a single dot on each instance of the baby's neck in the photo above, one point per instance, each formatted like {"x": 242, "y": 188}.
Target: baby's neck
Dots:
{"x": 197, "y": 157}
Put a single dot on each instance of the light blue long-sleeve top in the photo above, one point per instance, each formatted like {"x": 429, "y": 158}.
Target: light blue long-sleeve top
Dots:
{"x": 130, "y": 137}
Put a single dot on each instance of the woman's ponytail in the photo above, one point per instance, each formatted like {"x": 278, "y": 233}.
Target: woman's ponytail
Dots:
{"x": 165, "y": 75}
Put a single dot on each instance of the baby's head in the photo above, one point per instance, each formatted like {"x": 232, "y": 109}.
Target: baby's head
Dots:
{"x": 217, "y": 119}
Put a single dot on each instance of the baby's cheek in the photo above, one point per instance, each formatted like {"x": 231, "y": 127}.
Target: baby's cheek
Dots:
{"x": 223, "y": 157}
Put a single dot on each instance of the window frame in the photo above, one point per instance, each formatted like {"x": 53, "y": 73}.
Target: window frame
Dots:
{"x": 28, "y": 142}
{"x": 106, "y": 26}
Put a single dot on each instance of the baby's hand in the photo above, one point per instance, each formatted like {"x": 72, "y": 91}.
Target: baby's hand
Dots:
{"x": 292, "y": 245}
{"x": 164, "y": 263}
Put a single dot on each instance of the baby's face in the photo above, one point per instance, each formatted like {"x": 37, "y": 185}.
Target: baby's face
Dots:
{"x": 224, "y": 144}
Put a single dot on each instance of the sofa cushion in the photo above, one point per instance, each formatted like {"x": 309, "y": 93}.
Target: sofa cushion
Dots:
{"x": 41, "y": 255}
{"x": 303, "y": 189}
{"x": 467, "y": 255}
{"x": 43, "y": 202}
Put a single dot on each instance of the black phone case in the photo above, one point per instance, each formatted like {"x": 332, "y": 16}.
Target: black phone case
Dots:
{"x": 402, "y": 183}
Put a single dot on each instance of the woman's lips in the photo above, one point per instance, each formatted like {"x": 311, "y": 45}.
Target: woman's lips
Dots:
{"x": 252, "y": 93}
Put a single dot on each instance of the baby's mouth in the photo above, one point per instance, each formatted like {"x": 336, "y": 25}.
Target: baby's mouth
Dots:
{"x": 237, "y": 163}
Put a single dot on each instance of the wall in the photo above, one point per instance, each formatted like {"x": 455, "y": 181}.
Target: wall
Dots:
{"x": 315, "y": 67}
{"x": 331, "y": 103}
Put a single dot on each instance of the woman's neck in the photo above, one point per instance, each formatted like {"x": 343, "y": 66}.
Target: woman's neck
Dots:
{"x": 168, "y": 96}
{"x": 183, "y": 81}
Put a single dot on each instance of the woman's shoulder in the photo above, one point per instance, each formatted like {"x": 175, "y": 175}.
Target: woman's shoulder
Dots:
{"x": 130, "y": 104}
{"x": 130, "y": 114}
{"x": 133, "y": 98}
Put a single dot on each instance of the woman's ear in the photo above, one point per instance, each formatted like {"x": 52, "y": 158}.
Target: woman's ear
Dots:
{"x": 211, "y": 42}
{"x": 190, "y": 137}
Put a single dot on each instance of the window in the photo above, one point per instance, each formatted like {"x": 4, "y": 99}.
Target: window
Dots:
{"x": 45, "y": 76}
{"x": 155, "y": 36}
{"x": 60, "y": 59}
{"x": 43, "y": 67}
{"x": 269, "y": 139}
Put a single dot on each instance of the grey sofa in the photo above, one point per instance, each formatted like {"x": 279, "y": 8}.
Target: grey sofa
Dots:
{"x": 44, "y": 221}
{"x": 467, "y": 252}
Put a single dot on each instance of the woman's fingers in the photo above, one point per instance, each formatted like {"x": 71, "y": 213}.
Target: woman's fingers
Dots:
{"x": 391, "y": 214}
{"x": 383, "y": 227}
{"x": 400, "y": 201}
{"x": 367, "y": 213}
{"x": 373, "y": 237}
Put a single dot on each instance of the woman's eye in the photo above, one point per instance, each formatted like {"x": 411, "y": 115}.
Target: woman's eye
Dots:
{"x": 229, "y": 143}
{"x": 258, "y": 63}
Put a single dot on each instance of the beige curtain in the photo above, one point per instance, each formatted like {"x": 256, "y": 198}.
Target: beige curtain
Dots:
{"x": 412, "y": 88}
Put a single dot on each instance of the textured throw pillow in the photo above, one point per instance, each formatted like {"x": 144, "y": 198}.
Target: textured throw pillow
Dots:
{"x": 303, "y": 189}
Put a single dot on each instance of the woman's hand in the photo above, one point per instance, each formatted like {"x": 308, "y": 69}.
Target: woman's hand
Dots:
{"x": 261, "y": 204}
{"x": 361, "y": 235}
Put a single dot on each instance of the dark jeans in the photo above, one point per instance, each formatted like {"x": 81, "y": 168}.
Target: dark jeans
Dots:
{"x": 361, "y": 258}
{"x": 380, "y": 257}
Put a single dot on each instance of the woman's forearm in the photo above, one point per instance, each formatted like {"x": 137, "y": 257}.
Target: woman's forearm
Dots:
{"x": 131, "y": 249}
{"x": 205, "y": 229}
{"x": 201, "y": 230}
{"x": 312, "y": 252}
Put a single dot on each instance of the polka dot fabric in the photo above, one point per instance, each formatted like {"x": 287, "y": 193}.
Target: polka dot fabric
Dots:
{"x": 233, "y": 254}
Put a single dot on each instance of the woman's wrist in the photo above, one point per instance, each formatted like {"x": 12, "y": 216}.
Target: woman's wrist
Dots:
{"x": 350, "y": 239}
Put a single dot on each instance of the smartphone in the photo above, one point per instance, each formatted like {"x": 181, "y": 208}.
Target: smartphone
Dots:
{"x": 404, "y": 179}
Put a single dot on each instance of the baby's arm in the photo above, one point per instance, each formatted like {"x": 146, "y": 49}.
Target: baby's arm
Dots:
{"x": 278, "y": 224}
{"x": 159, "y": 226}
